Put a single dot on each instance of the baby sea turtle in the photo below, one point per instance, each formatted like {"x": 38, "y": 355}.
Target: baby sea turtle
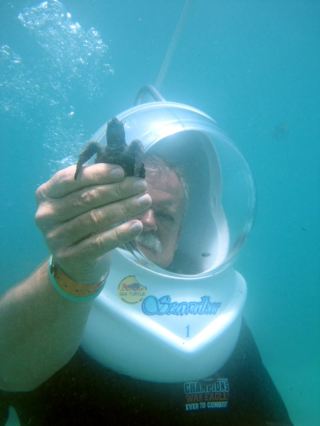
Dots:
{"x": 129, "y": 157}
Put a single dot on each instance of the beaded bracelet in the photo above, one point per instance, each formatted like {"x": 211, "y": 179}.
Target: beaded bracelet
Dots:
{"x": 69, "y": 289}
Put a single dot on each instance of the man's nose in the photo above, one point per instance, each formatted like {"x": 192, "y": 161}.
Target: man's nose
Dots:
{"x": 148, "y": 220}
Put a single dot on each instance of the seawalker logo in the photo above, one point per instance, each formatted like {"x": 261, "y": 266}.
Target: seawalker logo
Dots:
{"x": 152, "y": 305}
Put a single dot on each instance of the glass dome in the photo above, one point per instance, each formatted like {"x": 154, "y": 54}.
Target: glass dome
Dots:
{"x": 221, "y": 196}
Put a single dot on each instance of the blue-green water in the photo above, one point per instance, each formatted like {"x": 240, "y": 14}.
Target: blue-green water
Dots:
{"x": 65, "y": 67}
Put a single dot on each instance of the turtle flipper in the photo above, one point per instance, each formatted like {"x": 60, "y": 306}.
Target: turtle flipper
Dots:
{"x": 139, "y": 170}
{"x": 93, "y": 148}
{"x": 135, "y": 151}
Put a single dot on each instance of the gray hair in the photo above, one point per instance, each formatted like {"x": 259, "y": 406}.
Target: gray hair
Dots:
{"x": 158, "y": 164}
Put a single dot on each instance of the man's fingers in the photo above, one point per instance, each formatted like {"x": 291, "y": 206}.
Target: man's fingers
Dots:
{"x": 59, "y": 210}
{"x": 97, "y": 220}
{"x": 98, "y": 244}
{"x": 63, "y": 182}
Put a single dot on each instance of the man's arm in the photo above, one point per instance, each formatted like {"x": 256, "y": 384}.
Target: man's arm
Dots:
{"x": 81, "y": 220}
{"x": 40, "y": 331}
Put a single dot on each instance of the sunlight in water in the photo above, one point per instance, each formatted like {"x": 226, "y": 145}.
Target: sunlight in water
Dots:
{"x": 69, "y": 61}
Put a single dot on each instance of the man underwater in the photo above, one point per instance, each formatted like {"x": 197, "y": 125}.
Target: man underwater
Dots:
{"x": 43, "y": 373}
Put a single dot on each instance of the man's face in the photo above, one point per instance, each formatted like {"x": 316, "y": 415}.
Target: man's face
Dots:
{"x": 162, "y": 223}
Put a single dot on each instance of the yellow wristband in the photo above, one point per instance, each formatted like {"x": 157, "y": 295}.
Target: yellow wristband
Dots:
{"x": 69, "y": 289}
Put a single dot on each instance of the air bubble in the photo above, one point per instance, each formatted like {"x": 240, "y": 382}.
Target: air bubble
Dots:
{"x": 73, "y": 51}
{"x": 72, "y": 60}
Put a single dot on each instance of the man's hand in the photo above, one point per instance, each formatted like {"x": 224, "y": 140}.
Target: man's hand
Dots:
{"x": 82, "y": 220}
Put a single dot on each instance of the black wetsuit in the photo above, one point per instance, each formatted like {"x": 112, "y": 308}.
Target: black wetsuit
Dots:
{"x": 86, "y": 393}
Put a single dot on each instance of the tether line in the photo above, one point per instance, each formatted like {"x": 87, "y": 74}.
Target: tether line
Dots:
{"x": 172, "y": 45}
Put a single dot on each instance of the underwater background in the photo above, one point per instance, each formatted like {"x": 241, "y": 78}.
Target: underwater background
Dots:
{"x": 253, "y": 65}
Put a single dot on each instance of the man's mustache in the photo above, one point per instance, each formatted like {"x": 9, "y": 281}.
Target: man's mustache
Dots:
{"x": 149, "y": 240}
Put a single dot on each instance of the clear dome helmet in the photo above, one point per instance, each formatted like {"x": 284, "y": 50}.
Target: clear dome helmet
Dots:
{"x": 180, "y": 322}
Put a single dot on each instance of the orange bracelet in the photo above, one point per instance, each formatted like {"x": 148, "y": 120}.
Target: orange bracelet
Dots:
{"x": 69, "y": 289}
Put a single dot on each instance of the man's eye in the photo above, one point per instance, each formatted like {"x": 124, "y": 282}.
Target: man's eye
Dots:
{"x": 165, "y": 216}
